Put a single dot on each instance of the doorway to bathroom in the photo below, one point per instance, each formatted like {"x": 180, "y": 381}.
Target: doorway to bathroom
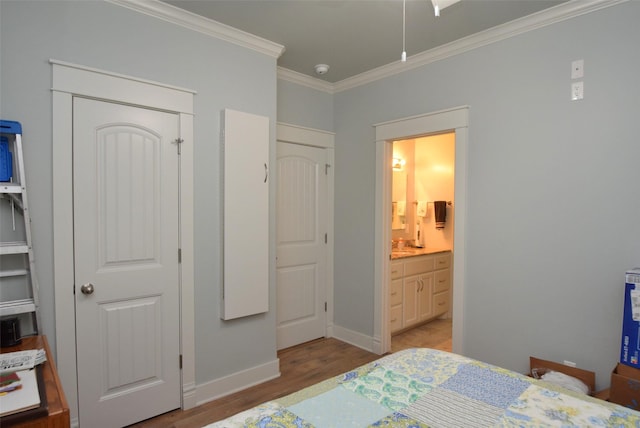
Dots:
{"x": 454, "y": 121}
{"x": 422, "y": 223}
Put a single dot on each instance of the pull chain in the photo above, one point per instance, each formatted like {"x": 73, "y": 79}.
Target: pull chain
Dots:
{"x": 403, "y": 58}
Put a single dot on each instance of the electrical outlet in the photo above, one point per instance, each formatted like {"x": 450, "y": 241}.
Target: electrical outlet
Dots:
{"x": 569, "y": 363}
{"x": 577, "y": 91}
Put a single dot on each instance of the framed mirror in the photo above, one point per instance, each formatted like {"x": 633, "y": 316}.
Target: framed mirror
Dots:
{"x": 399, "y": 200}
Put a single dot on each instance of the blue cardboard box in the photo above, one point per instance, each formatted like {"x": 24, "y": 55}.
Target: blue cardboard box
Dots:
{"x": 630, "y": 349}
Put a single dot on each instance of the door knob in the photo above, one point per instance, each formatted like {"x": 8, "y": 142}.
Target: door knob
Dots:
{"x": 87, "y": 288}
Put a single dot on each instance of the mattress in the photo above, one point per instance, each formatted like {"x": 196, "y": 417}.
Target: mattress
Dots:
{"x": 429, "y": 388}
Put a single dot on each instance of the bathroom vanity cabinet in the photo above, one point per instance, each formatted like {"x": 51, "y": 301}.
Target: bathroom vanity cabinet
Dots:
{"x": 420, "y": 289}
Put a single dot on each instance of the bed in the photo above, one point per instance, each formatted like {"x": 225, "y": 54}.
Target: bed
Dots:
{"x": 429, "y": 388}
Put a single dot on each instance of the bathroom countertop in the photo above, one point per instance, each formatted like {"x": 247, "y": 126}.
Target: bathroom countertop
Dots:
{"x": 412, "y": 252}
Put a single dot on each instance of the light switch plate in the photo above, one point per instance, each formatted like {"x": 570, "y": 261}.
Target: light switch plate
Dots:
{"x": 577, "y": 69}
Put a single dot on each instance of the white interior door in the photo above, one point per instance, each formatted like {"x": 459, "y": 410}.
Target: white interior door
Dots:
{"x": 301, "y": 246}
{"x": 125, "y": 192}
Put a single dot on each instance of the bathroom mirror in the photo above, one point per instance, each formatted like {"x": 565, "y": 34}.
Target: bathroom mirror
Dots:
{"x": 399, "y": 201}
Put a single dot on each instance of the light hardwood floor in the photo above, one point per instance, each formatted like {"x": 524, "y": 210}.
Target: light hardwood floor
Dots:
{"x": 301, "y": 366}
{"x": 435, "y": 334}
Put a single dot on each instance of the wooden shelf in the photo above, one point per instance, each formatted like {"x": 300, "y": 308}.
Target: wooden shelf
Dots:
{"x": 57, "y": 407}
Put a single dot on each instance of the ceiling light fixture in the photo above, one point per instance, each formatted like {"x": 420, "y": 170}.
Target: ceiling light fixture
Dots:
{"x": 321, "y": 69}
{"x": 439, "y": 5}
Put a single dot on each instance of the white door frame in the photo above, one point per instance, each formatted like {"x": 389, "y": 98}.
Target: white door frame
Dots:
{"x": 454, "y": 119}
{"x": 325, "y": 140}
{"x": 70, "y": 80}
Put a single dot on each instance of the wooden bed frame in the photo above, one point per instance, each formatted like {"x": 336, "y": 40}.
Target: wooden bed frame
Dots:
{"x": 588, "y": 377}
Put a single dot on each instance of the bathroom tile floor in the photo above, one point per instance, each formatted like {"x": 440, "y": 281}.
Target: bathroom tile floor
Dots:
{"x": 435, "y": 334}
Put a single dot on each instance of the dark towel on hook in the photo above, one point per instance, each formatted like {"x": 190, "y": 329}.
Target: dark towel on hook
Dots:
{"x": 440, "y": 208}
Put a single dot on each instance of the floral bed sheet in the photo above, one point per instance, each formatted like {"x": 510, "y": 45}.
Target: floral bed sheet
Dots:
{"x": 429, "y": 388}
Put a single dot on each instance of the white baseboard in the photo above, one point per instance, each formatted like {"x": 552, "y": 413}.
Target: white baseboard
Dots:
{"x": 354, "y": 338}
{"x": 237, "y": 382}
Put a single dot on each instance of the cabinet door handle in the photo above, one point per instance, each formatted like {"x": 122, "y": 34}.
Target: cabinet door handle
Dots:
{"x": 266, "y": 172}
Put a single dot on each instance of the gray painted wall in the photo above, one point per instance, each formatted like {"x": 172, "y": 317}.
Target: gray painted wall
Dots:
{"x": 553, "y": 190}
{"x": 303, "y": 106}
{"x": 112, "y": 38}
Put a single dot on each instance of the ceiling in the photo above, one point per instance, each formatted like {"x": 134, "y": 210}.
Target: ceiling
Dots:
{"x": 355, "y": 36}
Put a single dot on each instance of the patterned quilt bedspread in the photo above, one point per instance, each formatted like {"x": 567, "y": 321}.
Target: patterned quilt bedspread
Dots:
{"x": 430, "y": 388}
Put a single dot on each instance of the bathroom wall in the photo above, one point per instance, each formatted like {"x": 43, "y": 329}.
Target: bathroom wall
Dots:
{"x": 434, "y": 161}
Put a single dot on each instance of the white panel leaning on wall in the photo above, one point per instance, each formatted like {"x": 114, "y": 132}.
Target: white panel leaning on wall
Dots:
{"x": 245, "y": 182}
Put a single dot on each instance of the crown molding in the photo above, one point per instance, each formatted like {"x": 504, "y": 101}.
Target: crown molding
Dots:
{"x": 198, "y": 23}
{"x": 175, "y": 15}
{"x": 304, "y": 80}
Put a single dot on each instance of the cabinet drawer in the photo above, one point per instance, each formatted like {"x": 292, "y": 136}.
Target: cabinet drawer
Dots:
{"x": 440, "y": 303}
{"x": 418, "y": 265}
{"x": 397, "y": 270}
{"x": 395, "y": 294}
{"x": 395, "y": 320}
{"x": 442, "y": 281}
{"x": 443, "y": 261}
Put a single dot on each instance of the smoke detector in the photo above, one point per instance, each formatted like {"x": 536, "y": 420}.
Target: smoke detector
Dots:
{"x": 321, "y": 69}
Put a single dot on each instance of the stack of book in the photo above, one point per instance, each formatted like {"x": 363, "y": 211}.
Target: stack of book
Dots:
{"x": 19, "y": 382}
{"x": 9, "y": 382}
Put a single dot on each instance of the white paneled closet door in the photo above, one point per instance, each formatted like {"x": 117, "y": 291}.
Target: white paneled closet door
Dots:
{"x": 125, "y": 190}
{"x": 301, "y": 243}
{"x": 245, "y": 145}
